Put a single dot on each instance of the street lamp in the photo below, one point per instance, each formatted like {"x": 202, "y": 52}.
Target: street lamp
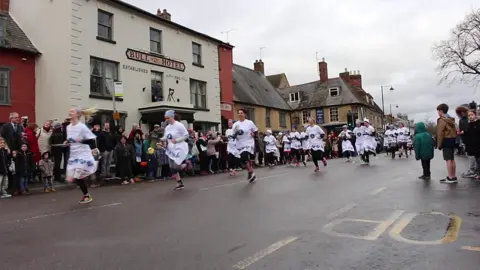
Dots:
{"x": 383, "y": 105}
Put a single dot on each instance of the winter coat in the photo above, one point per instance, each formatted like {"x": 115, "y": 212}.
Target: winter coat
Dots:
{"x": 24, "y": 163}
{"x": 423, "y": 143}
{"x": 33, "y": 144}
{"x": 155, "y": 137}
{"x": 56, "y": 138}
{"x": 4, "y": 161}
{"x": 107, "y": 140}
{"x": 211, "y": 146}
{"x": 46, "y": 168}
{"x": 446, "y": 132}
{"x": 123, "y": 154}
{"x": 472, "y": 139}
{"x": 44, "y": 140}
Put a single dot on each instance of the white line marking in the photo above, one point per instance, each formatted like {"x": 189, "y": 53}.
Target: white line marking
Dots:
{"x": 341, "y": 211}
{"x": 377, "y": 191}
{"x": 257, "y": 256}
{"x": 470, "y": 248}
{"x": 60, "y": 213}
{"x": 242, "y": 181}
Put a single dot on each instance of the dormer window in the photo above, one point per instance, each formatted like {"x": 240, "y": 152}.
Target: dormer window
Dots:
{"x": 334, "y": 92}
{"x": 295, "y": 97}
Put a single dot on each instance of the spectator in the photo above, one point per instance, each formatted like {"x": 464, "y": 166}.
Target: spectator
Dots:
{"x": 46, "y": 172}
{"x": 463, "y": 125}
{"x": 212, "y": 153}
{"x": 280, "y": 148}
{"x": 152, "y": 164}
{"x": 202, "y": 155}
{"x": 124, "y": 160}
{"x": 66, "y": 150}
{"x": 139, "y": 149}
{"x": 157, "y": 94}
{"x": 424, "y": 148}
{"x": 31, "y": 138}
{"x": 107, "y": 141}
{"x": 135, "y": 129}
{"x": 446, "y": 134}
{"x": 472, "y": 142}
{"x": 24, "y": 164}
{"x": 56, "y": 142}
{"x": 155, "y": 136}
{"x": 43, "y": 136}
{"x": 4, "y": 165}
{"x": 163, "y": 169}
{"x": 13, "y": 132}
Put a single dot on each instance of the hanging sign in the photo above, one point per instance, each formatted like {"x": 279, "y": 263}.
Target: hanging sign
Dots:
{"x": 119, "y": 89}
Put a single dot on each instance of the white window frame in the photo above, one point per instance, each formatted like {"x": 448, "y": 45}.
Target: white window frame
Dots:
{"x": 334, "y": 117}
{"x": 5, "y": 85}
{"x": 109, "y": 26}
{"x": 157, "y": 43}
{"x": 107, "y": 86}
{"x": 196, "y": 56}
{"x": 334, "y": 89}
{"x": 198, "y": 94}
{"x": 305, "y": 115}
{"x": 295, "y": 97}
{"x": 268, "y": 119}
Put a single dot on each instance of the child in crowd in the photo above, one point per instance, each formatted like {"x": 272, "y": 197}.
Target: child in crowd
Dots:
{"x": 4, "y": 165}
{"x": 163, "y": 170}
{"x": 472, "y": 142}
{"x": 124, "y": 155}
{"x": 46, "y": 172}
{"x": 152, "y": 164}
{"x": 424, "y": 147}
{"x": 24, "y": 168}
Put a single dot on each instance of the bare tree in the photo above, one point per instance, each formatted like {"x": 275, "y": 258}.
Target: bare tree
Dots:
{"x": 431, "y": 127}
{"x": 459, "y": 56}
{"x": 402, "y": 116}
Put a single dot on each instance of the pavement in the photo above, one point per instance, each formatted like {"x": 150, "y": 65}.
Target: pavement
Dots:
{"x": 347, "y": 216}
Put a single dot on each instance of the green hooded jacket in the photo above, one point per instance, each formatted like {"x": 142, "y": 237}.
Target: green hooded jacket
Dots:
{"x": 423, "y": 143}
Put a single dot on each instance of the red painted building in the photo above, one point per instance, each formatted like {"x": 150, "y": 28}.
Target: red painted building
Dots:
{"x": 17, "y": 68}
{"x": 225, "y": 58}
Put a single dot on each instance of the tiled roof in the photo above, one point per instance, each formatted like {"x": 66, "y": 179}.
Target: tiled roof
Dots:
{"x": 15, "y": 38}
{"x": 252, "y": 87}
{"x": 276, "y": 79}
{"x": 316, "y": 94}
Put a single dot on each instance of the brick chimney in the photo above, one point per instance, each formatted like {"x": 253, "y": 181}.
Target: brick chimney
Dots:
{"x": 345, "y": 76}
{"x": 164, "y": 15}
{"x": 323, "y": 70}
{"x": 258, "y": 66}
{"x": 356, "y": 79}
{"x": 4, "y": 5}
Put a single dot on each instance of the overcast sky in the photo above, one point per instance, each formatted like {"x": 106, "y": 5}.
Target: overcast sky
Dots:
{"x": 389, "y": 41}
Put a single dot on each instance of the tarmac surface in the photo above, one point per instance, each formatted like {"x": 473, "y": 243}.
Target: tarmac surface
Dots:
{"x": 347, "y": 216}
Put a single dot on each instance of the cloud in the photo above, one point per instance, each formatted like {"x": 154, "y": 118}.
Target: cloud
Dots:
{"x": 388, "y": 41}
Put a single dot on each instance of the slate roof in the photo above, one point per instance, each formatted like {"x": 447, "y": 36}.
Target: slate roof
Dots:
{"x": 316, "y": 94}
{"x": 15, "y": 38}
{"x": 252, "y": 87}
{"x": 276, "y": 79}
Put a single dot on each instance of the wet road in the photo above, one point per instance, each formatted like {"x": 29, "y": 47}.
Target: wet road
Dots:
{"x": 345, "y": 217}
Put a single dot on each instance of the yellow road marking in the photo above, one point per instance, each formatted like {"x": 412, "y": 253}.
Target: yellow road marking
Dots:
{"x": 471, "y": 248}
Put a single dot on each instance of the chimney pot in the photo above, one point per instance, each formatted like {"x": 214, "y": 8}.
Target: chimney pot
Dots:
{"x": 323, "y": 70}
{"x": 259, "y": 67}
{"x": 159, "y": 12}
{"x": 346, "y": 70}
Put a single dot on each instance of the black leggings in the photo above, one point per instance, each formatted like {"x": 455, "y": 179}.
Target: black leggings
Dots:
{"x": 232, "y": 162}
{"x": 316, "y": 156}
{"x": 295, "y": 153}
{"x": 347, "y": 154}
{"x": 83, "y": 186}
{"x": 269, "y": 158}
{"x": 366, "y": 156}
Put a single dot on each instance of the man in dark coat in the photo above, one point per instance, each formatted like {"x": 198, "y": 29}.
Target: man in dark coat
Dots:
{"x": 13, "y": 132}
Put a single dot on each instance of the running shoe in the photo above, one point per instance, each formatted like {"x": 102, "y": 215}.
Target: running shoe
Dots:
{"x": 451, "y": 180}
{"x": 86, "y": 199}
{"x": 298, "y": 164}
{"x": 316, "y": 169}
{"x": 233, "y": 172}
{"x": 324, "y": 160}
{"x": 179, "y": 187}
{"x": 5, "y": 196}
{"x": 251, "y": 177}
{"x": 305, "y": 164}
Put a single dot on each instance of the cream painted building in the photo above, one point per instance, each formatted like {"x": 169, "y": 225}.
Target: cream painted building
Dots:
{"x": 89, "y": 46}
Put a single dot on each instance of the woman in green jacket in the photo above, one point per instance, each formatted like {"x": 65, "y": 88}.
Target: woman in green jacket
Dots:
{"x": 424, "y": 148}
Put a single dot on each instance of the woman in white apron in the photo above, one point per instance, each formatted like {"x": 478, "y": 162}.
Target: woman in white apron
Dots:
{"x": 270, "y": 148}
{"x": 81, "y": 162}
{"x": 390, "y": 141}
{"x": 177, "y": 148}
{"x": 287, "y": 147}
{"x": 305, "y": 145}
{"x": 232, "y": 151}
{"x": 358, "y": 133}
{"x": 245, "y": 134}
{"x": 347, "y": 147}
{"x": 369, "y": 144}
{"x": 317, "y": 145}
{"x": 296, "y": 146}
